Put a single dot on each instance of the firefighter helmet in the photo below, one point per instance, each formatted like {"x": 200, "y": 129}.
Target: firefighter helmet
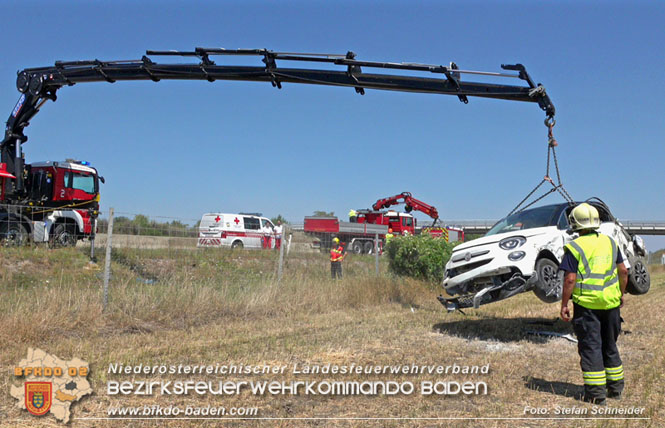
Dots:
{"x": 584, "y": 216}
{"x": 336, "y": 240}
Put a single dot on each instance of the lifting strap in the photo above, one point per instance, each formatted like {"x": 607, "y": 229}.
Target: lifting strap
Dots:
{"x": 558, "y": 187}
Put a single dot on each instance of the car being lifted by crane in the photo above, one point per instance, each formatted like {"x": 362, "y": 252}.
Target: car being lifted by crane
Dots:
{"x": 30, "y": 208}
{"x": 522, "y": 253}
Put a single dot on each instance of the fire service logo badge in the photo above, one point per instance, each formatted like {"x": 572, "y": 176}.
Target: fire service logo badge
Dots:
{"x": 38, "y": 397}
{"x": 50, "y": 385}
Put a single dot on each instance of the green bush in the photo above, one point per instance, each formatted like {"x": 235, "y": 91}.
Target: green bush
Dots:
{"x": 420, "y": 257}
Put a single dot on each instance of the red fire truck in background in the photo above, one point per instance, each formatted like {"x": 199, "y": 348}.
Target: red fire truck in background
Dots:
{"x": 359, "y": 232}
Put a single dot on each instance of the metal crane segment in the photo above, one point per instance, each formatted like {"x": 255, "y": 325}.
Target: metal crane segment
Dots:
{"x": 37, "y": 85}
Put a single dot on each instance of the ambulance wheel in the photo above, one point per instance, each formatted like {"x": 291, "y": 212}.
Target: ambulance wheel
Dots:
{"x": 64, "y": 235}
{"x": 237, "y": 244}
{"x": 13, "y": 234}
{"x": 639, "y": 280}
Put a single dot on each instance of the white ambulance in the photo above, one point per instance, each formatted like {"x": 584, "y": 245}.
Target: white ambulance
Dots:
{"x": 235, "y": 231}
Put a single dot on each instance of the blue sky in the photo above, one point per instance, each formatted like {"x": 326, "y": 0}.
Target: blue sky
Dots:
{"x": 183, "y": 148}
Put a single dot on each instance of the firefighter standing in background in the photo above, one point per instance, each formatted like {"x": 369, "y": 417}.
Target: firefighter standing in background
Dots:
{"x": 389, "y": 235}
{"x": 353, "y": 216}
{"x": 595, "y": 278}
{"x": 336, "y": 257}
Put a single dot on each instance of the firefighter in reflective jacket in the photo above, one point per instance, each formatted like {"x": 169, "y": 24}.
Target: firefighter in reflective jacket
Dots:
{"x": 595, "y": 278}
{"x": 336, "y": 257}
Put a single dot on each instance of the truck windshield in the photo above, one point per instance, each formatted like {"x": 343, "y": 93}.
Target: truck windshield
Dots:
{"x": 528, "y": 219}
{"x": 81, "y": 181}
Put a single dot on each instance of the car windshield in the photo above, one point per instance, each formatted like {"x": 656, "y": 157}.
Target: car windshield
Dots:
{"x": 528, "y": 219}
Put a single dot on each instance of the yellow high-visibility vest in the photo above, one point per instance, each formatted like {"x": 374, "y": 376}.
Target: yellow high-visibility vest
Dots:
{"x": 597, "y": 284}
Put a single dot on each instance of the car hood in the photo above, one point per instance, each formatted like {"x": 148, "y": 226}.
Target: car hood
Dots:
{"x": 493, "y": 239}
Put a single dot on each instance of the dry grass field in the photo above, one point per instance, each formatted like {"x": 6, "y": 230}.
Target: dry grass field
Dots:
{"x": 209, "y": 307}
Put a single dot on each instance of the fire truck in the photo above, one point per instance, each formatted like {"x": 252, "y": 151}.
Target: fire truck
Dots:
{"x": 35, "y": 207}
{"x": 359, "y": 232}
{"x": 58, "y": 204}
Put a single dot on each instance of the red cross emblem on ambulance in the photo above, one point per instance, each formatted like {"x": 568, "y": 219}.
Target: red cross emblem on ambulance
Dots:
{"x": 236, "y": 220}
{"x": 217, "y": 219}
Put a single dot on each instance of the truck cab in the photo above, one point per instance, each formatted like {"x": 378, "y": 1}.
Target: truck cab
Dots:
{"x": 68, "y": 181}
{"x": 400, "y": 223}
{"x": 59, "y": 204}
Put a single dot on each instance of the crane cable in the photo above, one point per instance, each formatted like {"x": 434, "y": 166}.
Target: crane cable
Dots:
{"x": 558, "y": 187}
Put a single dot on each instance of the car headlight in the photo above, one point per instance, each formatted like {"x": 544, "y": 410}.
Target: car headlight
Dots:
{"x": 516, "y": 256}
{"x": 639, "y": 242}
{"x": 512, "y": 242}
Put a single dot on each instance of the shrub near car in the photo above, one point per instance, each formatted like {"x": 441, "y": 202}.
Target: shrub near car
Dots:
{"x": 522, "y": 253}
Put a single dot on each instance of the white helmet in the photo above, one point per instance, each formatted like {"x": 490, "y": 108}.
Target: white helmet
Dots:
{"x": 584, "y": 216}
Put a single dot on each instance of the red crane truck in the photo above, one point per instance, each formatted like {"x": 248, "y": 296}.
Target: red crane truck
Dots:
{"x": 404, "y": 225}
{"x": 359, "y": 233}
{"x": 59, "y": 203}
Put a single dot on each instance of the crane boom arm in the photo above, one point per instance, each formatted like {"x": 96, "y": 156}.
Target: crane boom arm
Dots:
{"x": 409, "y": 201}
{"x": 37, "y": 85}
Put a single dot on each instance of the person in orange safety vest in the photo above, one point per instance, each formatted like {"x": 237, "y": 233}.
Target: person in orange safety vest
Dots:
{"x": 336, "y": 257}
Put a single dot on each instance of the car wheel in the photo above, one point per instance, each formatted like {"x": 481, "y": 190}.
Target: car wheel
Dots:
{"x": 13, "y": 234}
{"x": 369, "y": 246}
{"x": 357, "y": 247}
{"x": 549, "y": 286}
{"x": 639, "y": 280}
{"x": 237, "y": 244}
{"x": 64, "y": 235}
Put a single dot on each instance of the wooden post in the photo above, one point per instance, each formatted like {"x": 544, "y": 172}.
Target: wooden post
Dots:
{"x": 280, "y": 269}
{"x": 92, "y": 240}
{"x": 376, "y": 253}
{"x": 107, "y": 261}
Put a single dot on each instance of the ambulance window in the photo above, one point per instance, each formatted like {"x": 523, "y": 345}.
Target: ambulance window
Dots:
{"x": 266, "y": 223}
{"x": 252, "y": 223}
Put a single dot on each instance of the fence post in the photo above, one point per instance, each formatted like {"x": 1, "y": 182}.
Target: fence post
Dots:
{"x": 93, "y": 234}
{"x": 107, "y": 261}
{"x": 281, "y": 254}
{"x": 376, "y": 253}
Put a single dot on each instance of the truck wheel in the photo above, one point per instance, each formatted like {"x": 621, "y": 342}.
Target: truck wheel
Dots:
{"x": 357, "y": 247}
{"x": 639, "y": 280}
{"x": 549, "y": 286}
{"x": 64, "y": 235}
{"x": 13, "y": 234}
{"x": 369, "y": 246}
{"x": 237, "y": 244}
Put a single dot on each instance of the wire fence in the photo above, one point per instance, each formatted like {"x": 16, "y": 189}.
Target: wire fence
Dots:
{"x": 133, "y": 248}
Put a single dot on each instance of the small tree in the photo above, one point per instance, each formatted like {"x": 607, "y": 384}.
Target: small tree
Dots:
{"x": 318, "y": 213}
{"x": 420, "y": 257}
{"x": 279, "y": 218}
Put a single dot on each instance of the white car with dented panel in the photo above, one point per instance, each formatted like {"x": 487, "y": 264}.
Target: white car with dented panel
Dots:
{"x": 522, "y": 253}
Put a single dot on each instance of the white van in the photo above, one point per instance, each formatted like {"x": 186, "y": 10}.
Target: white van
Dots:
{"x": 234, "y": 230}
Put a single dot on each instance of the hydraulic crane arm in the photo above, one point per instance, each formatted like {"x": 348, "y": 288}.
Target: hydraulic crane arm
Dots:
{"x": 410, "y": 203}
{"x": 40, "y": 84}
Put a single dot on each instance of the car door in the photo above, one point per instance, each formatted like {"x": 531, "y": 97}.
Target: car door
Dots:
{"x": 252, "y": 232}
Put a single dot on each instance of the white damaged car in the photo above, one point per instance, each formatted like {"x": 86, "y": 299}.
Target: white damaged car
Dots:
{"x": 522, "y": 253}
